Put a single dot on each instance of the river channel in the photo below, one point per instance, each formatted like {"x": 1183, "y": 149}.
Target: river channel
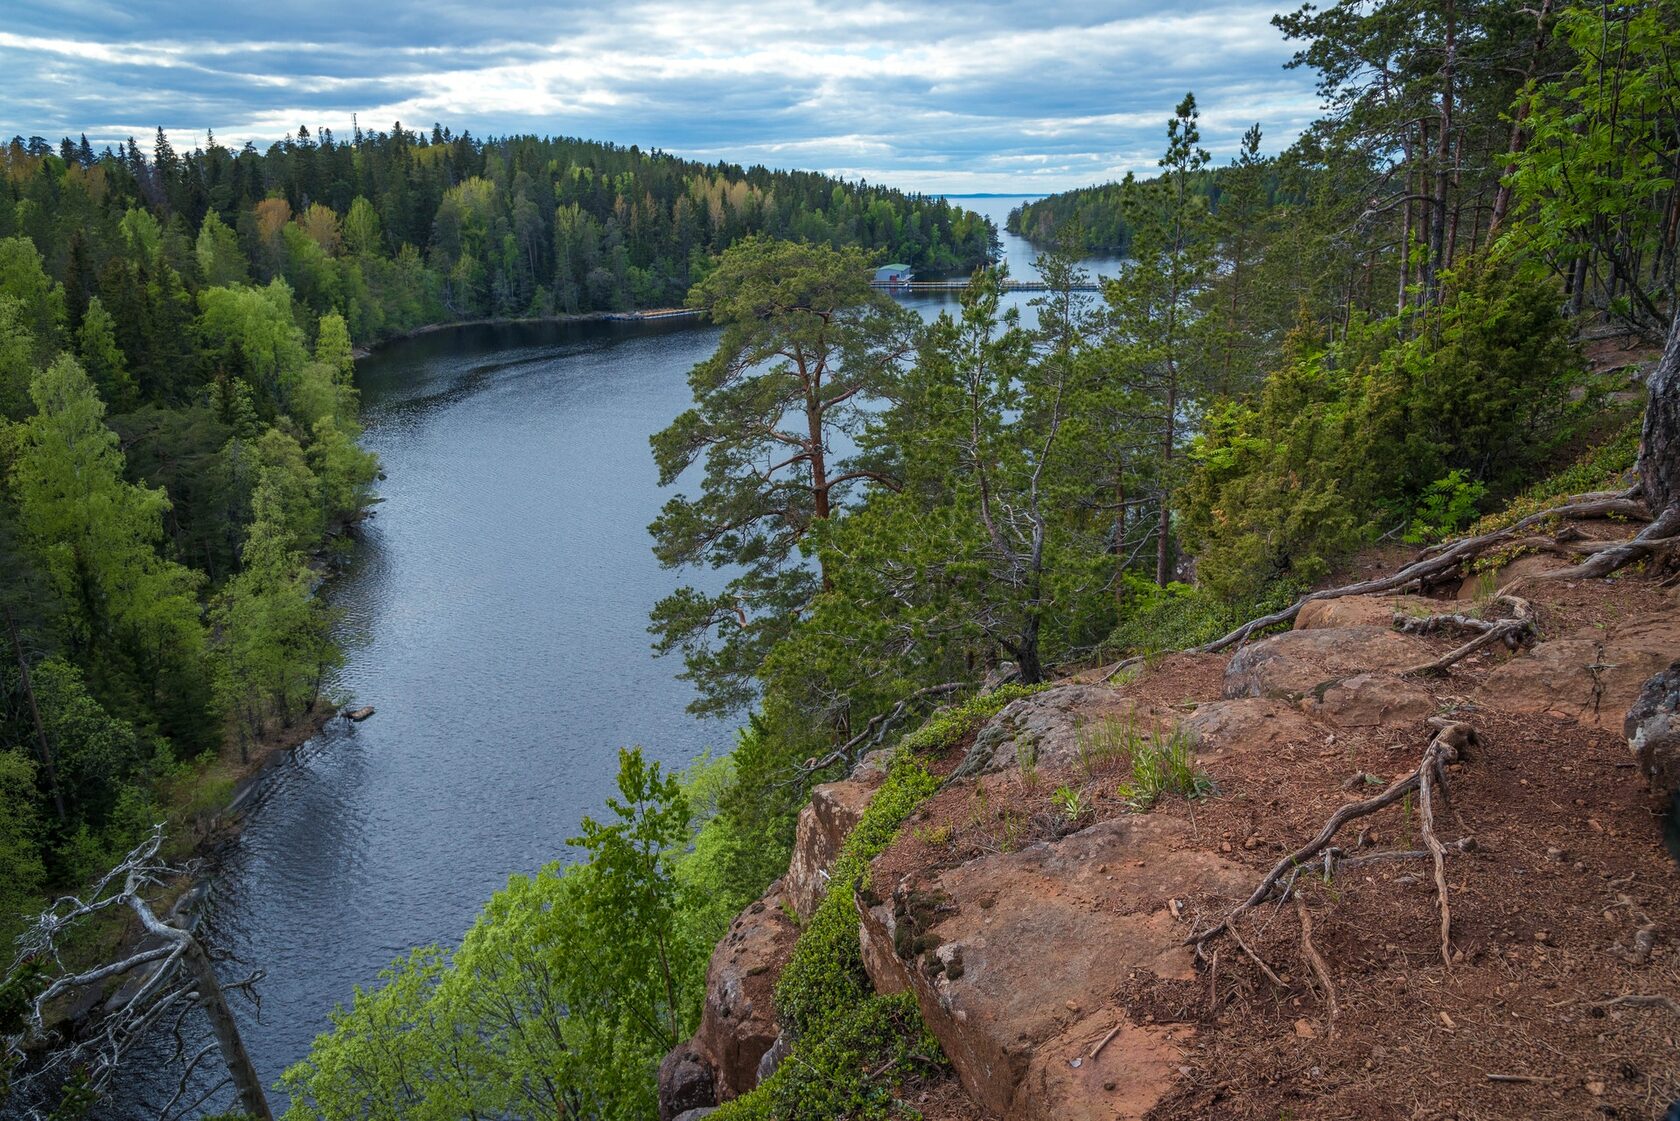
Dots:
{"x": 496, "y": 611}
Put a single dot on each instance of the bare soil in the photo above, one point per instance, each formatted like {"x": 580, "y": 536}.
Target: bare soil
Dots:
{"x": 1568, "y": 867}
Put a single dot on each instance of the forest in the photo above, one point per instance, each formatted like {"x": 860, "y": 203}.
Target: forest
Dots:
{"x": 178, "y": 421}
{"x": 1374, "y": 335}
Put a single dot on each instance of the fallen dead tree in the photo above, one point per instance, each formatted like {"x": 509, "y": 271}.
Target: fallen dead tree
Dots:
{"x": 159, "y": 985}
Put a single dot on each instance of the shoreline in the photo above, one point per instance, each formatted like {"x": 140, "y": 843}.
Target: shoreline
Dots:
{"x": 366, "y": 350}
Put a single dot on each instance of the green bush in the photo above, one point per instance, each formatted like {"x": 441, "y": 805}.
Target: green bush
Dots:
{"x": 1156, "y": 620}
{"x": 840, "y": 1028}
{"x": 1402, "y": 422}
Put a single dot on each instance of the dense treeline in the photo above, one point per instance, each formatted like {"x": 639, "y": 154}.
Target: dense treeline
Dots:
{"x": 177, "y": 423}
{"x": 396, "y": 229}
{"x": 1371, "y": 336}
{"x": 1093, "y": 219}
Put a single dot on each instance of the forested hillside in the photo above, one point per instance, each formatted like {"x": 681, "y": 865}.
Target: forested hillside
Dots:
{"x": 1373, "y": 337}
{"x": 396, "y": 229}
{"x": 178, "y": 425}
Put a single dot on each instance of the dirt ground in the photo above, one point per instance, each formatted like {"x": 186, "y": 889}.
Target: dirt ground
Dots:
{"x": 1565, "y": 912}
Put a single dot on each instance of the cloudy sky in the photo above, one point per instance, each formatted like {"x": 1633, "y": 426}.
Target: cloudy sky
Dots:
{"x": 989, "y": 96}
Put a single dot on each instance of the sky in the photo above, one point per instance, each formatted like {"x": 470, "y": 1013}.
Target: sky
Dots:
{"x": 1011, "y": 97}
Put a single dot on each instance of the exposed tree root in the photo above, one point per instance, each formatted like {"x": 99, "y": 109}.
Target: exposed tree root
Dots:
{"x": 1444, "y": 747}
{"x": 1439, "y": 563}
{"x": 1513, "y": 632}
{"x": 1660, "y": 536}
{"x": 1315, "y": 961}
{"x": 1236, "y": 936}
{"x": 1644, "y": 1000}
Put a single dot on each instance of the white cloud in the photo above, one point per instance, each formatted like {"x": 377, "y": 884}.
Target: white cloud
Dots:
{"x": 915, "y": 93}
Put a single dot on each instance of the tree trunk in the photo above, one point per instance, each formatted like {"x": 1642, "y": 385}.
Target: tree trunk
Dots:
{"x": 1162, "y": 548}
{"x": 1443, "y": 170}
{"x": 1659, "y": 445}
{"x": 1519, "y": 134}
{"x": 246, "y": 1082}
{"x": 35, "y": 713}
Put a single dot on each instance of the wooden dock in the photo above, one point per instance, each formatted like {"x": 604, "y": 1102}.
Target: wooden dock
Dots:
{"x": 654, "y": 313}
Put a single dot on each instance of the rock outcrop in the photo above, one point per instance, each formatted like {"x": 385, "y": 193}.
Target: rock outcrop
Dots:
{"x": 1297, "y": 663}
{"x": 1371, "y": 700}
{"x": 738, "y": 1020}
{"x": 823, "y": 824}
{"x": 1045, "y": 729}
{"x": 1592, "y": 675}
{"x": 1360, "y": 611}
{"x": 685, "y": 1083}
{"x": 1014, "y": 959}
{"x": 1652, "y": 729}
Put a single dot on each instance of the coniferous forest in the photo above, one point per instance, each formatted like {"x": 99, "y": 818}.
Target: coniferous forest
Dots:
{"x": 1372, "y": 338}
{"x": 176, "y": 338}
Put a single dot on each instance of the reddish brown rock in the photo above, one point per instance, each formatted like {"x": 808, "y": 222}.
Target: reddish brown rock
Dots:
{"x": 1479, "y": 585}
{"x": 823, "y": 824}
{"x": 738, "y": 1020}
{"x": 1046, "y": 729}
{"x": 685, "y": 1082}
{"x": 1361, "y": 611}
{"x": 1297, "y": 663}
{"x": 1592, "y": 676}
{"x": 1371, "y": 700}
{"x": 1248, "y": 724}
{"x": 1013, "y": 959}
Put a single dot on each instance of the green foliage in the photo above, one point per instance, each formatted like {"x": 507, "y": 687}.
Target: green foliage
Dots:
{"x": 1162, "y": 764}
{"x": 1070, "y": 801}
{"x": 1601, "y": 149}
{"x": 851, "y": 1071}
{"x": 1401, "y": 423}
{"x": 561, "y": 1000}
{"x": 1447, "y": 506}
{"x": 805, "y": 344}
{"x": 1155, "y": 620}
{"x": 20, "y": 846}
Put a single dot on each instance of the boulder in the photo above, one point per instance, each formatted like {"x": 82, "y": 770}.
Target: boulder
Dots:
{"x": 1044, "y": 730}
{"x": 1652, "y": 728}
{"x": 1247, "y": 724}
{"x": 1593, "y": 676}
{"x": 773, "y": 1057}
{"x": 685, "y": 1083}
{"x": 696, "y": 1114}
{"x": 738, "y": 1019}
{"x": 1296, "y": 663}
{"x": 1014, "y": 958}
{"x": 1361, "y": 611}
{"x": 823, "y": 824}
{"x": 1371, "y": 700}
{"x": 1480, "y": 584}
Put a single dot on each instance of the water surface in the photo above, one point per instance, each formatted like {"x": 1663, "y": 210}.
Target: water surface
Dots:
{"x": 497, "y": 609}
